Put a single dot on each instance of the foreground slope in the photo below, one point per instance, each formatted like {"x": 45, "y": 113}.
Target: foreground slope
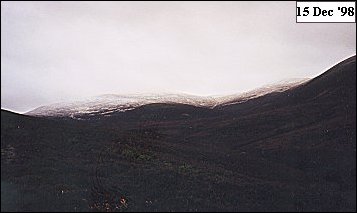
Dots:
{"x": 285, "y": 151}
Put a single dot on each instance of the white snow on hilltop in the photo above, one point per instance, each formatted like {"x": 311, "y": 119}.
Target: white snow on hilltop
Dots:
{"x": 111, "y": 103}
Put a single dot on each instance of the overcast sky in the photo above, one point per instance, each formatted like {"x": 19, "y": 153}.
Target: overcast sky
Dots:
{"x": 59, "y": 51}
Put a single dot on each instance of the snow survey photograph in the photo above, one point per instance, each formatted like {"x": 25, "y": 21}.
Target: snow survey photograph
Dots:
{"x": 175, "y": 106}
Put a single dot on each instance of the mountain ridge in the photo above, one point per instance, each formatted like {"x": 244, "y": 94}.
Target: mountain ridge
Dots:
{"x": 113, "y": 103}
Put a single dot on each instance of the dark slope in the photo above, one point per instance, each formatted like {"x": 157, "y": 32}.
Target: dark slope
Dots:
{"x": 158, "y": 112}
{"x": 289, "y": 151}
{"x": 337, "y": 84}
{"x": 310, "y": 129}
{"x": 331, "y": 97}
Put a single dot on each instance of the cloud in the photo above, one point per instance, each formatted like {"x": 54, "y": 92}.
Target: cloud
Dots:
{"x": 57, "y": 51}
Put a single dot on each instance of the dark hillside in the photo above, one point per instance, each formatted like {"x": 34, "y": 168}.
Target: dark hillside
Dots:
{"x": 287, "y": 151}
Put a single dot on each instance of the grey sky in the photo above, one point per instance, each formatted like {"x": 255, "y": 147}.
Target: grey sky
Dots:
{"x": 57, "y": 51}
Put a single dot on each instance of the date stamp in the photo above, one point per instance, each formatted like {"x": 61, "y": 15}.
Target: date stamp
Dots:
{"x": 326, "y": 12}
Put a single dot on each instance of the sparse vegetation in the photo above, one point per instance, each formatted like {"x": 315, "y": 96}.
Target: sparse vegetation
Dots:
{"x": 135, "y": 154}
{"x": 186, "y": 169}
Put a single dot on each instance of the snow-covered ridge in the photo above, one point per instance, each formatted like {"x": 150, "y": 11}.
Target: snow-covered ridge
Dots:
{"x": 108, "y": 104}
{"x": 111, "y": 103}
{"x": 280, "y": 86}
